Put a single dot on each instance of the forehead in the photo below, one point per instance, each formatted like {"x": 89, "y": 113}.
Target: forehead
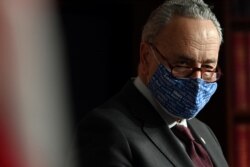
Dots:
{"x": 197, "y": 38}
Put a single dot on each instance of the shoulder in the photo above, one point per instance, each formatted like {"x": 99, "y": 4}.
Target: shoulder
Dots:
{"x": 104, "y": 135}
{"x": 112, "y": 113}
{"x": 112, "y": 120}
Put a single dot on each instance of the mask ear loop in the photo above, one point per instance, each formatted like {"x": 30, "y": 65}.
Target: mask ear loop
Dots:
{"x": 156, "y": 59}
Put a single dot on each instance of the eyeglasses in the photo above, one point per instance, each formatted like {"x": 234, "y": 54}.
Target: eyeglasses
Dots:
{"x": 182, "y": 72}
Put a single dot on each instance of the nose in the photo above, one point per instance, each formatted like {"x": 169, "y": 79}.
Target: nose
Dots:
{"x": 196, "y": 73}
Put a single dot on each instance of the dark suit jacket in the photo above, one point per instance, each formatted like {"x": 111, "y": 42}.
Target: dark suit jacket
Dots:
{"x": 128, "y": 132}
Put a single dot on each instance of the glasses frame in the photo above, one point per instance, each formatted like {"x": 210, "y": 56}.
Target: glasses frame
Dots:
{"x": 193, "y": 69}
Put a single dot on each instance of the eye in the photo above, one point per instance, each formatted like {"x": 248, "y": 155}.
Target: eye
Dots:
{"x": 183, "y": 63}
{"x": 209, "y": 67}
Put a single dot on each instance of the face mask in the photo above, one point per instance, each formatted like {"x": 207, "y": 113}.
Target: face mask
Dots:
{"x": 181, "y": 98}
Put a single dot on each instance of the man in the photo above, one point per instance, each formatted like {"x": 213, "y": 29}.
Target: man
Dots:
{"x": 177, "y": 75}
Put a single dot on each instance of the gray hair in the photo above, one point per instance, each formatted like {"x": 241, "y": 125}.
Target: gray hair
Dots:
{"x": 187, "y": 8}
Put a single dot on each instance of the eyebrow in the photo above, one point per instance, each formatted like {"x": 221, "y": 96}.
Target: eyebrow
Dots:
{"x": 190, "y": 59}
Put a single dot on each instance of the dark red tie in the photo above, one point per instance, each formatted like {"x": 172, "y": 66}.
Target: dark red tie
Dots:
{"x": 197, "y": 153}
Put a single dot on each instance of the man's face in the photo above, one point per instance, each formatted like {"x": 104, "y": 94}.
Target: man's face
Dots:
{"x": 184, "y": 41}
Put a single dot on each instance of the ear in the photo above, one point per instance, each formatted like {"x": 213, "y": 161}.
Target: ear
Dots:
{"x": 144, "y": 57}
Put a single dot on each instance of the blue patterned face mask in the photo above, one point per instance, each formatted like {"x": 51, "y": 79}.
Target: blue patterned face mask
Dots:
{"x": 181, "y": 98}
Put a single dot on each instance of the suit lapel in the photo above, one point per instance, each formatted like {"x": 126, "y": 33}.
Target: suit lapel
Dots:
{"x": 165, "y": 141}
{"x": 204, "y": 136}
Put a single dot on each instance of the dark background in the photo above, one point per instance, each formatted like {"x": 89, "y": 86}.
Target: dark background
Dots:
{"x": 102, "y": 49}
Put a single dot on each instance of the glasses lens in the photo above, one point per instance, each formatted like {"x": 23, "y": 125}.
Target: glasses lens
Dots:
{"x": 210, "y": 76}
{"x": 181, "y": 72}
{"x": 186, "y": 72}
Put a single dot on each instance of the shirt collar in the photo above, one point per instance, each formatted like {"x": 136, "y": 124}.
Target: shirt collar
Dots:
{"x": 169, "y": 120}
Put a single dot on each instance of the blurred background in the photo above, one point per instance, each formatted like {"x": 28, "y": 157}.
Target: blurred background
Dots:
{"x": 62, "y": 58}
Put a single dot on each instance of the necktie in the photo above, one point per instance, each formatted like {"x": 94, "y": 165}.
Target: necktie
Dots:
{"x": 197, "y": 153}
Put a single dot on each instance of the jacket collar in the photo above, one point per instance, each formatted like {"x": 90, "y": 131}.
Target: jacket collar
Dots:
{"x": 138, "y": 105}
